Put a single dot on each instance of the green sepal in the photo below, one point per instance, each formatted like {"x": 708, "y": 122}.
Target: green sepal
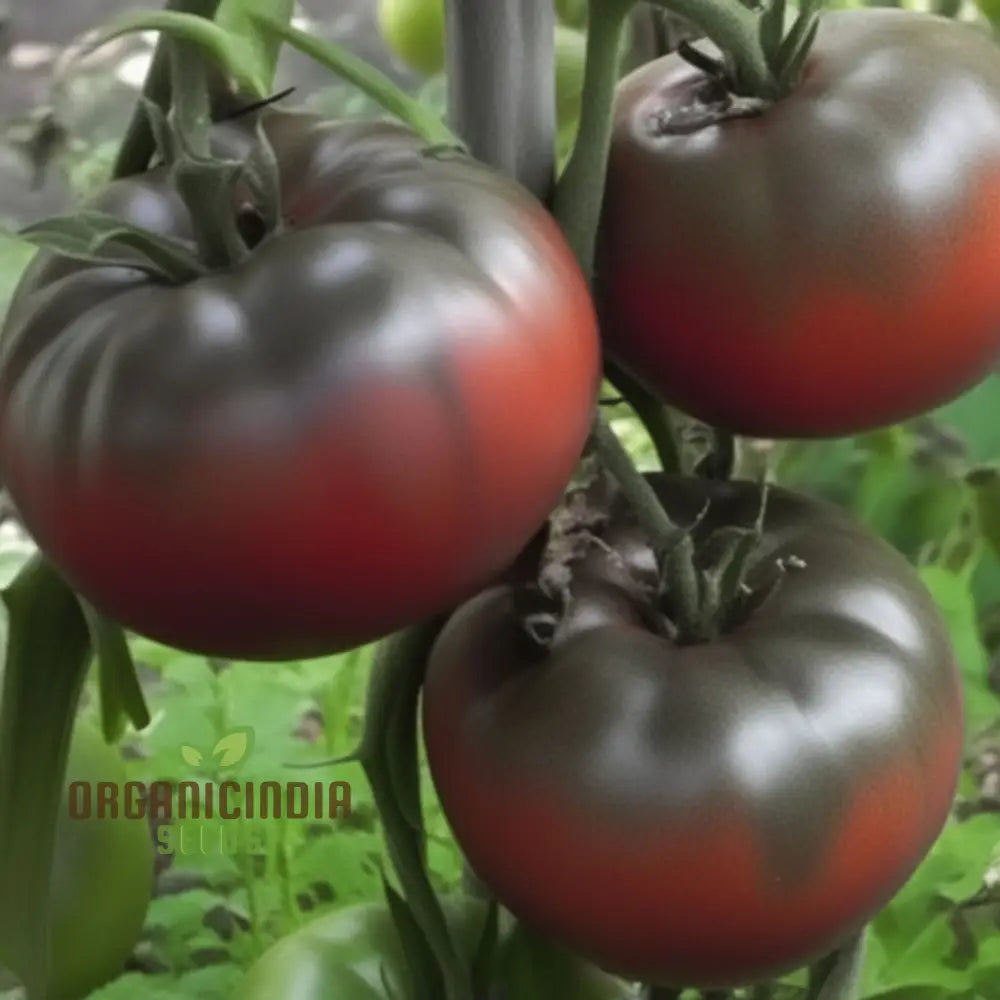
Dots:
{"x": 794, "y": 49}
{"x": 106, "y": 240}
{"x": 48, "y": 651}
{"x": 121, "y": 696}
{"x": 262, "y": 176}
{"x": 771, "y": 31}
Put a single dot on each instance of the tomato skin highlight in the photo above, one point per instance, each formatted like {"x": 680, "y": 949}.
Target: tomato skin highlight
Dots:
{"x": 378, "y": 408}
{"x": 826, "y": 267}
{"x": 714, "y": 814}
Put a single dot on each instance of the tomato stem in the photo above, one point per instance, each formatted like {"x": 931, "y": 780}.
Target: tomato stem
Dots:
{"x": 206, "y": 185}
{"x": 138, "y": 145}
{"x": 654, "y": 416}
{"x": 735, "y": 29}
{"x": 580, "y": 191}
{"x": 664, "y": 535}
{"x": 369, "y": 80}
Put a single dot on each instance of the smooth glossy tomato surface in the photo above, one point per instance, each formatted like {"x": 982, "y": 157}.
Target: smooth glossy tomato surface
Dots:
{"x": 829, "y": 265}
{"x": 356, "y": 954}
{"x": 352, "y": 429}
{"x": 102, "y": 879}
{"x": 714, "y": 813}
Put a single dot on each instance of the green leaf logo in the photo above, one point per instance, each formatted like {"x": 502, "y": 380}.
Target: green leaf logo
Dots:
{"x": 192, "y": 756}
{"x": 233, "y": 747}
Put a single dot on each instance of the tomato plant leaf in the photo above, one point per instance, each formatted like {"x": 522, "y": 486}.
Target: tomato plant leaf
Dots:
{"x": 98, "y": 238}
{"x": 48, "y": 649}
{"x": 953, "y": 594}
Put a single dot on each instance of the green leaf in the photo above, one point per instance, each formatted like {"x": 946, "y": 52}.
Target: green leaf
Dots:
{"x": 531, "y": 967}
{"x": 771, "y": 30}
{"x": 192, "y": 756}
{"x": 973, "y": 416}
{"x": 922, "y": 962}
{"x": 121, "y": 696}
{"x": 48, "y": 648}
{"x": 953, "y": 594}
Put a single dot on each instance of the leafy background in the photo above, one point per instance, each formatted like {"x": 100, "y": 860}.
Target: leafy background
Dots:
{"x": 214, "y": 912}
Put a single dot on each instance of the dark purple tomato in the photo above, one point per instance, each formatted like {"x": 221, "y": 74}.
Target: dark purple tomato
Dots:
{"x": 712, "y": 813}
{"x": 826, "y": 266}
{"x": 353, "y": 428}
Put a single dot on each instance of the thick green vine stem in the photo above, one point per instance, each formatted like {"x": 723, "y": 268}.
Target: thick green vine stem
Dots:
{"x": 138, "y": 145}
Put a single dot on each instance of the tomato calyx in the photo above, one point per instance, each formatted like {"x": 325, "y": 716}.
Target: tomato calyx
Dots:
{"x": 226, "y": 226}
{"x": 597, "y": 562}
{"x": 712, "y": 104}
{"x": 714, "y": 101}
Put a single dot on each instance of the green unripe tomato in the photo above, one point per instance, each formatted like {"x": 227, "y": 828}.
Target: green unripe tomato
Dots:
{"x": 415, "y": 30}
{"x": 102, "y": 879}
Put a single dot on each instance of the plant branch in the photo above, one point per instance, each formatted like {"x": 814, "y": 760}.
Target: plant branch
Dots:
{"x": 662, "y": 532}
{"x": 370, "y": 81}
{"x": 652, "y": 414}
{"x": 139, "y": 145}
{"x": 580, "y": 191}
